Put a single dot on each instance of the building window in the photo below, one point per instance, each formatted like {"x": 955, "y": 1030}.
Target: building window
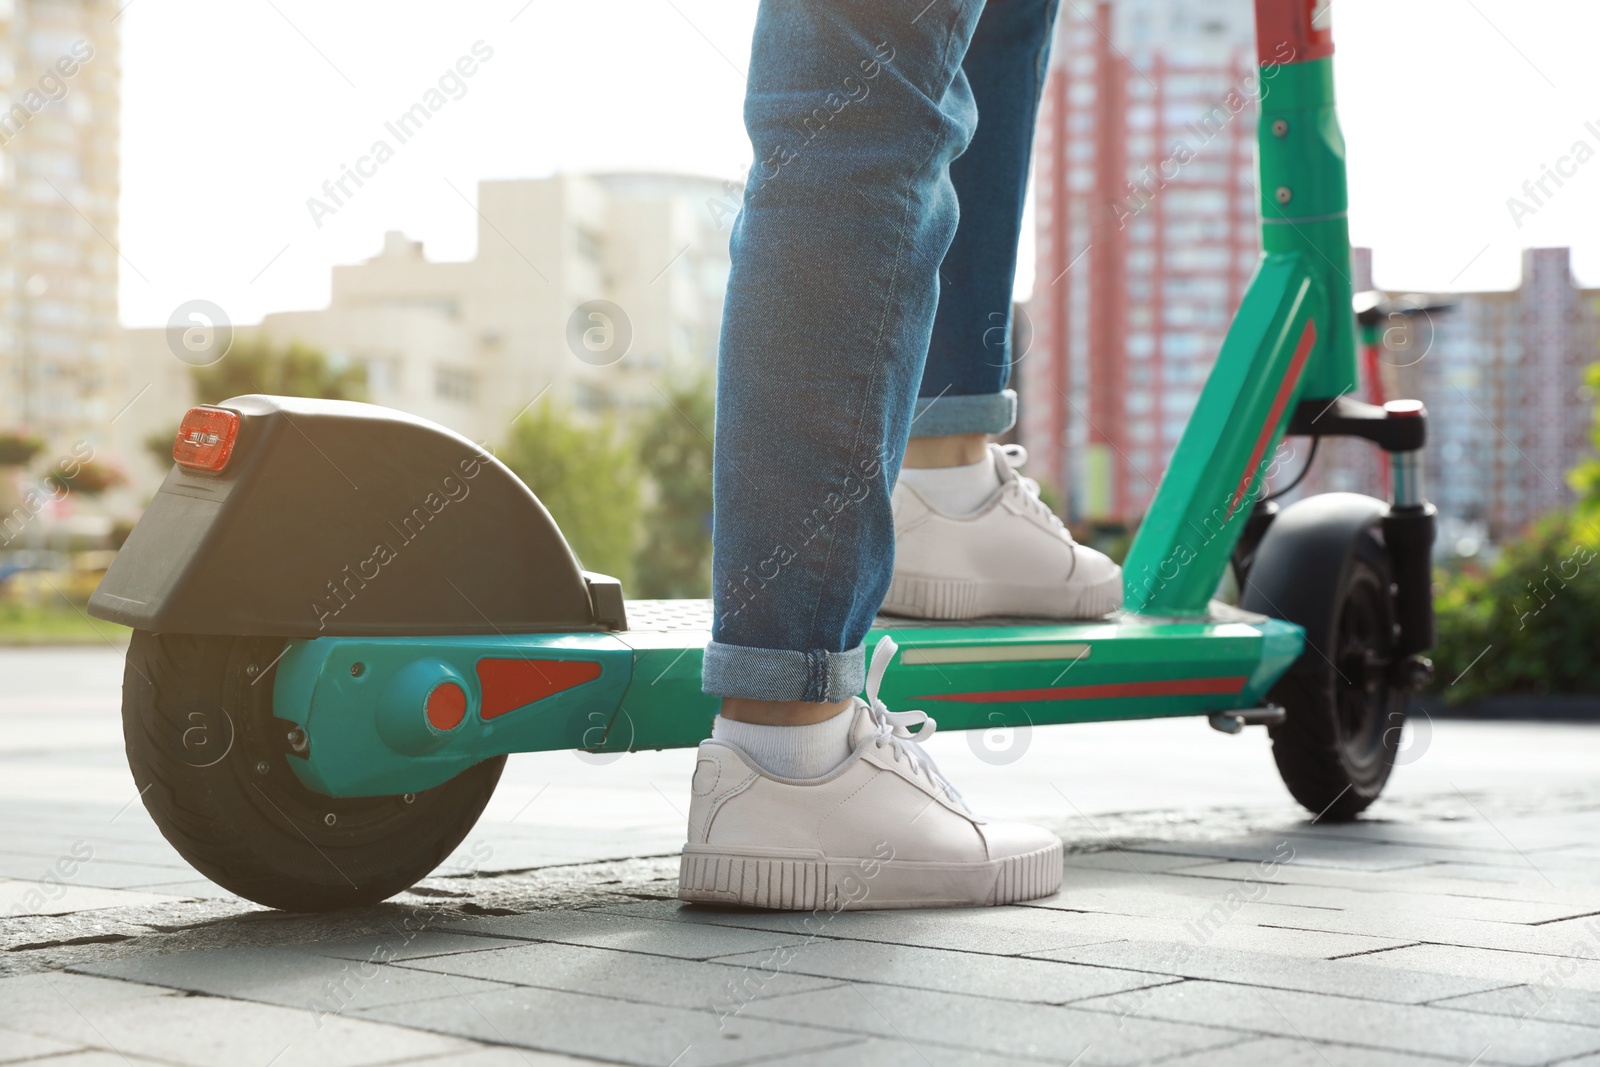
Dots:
{"x": 452, "y": 383}
{"x": 383, "y": 375}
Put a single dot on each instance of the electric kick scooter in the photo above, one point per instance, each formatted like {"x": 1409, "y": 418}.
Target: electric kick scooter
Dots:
{"x": 346, "y": 616}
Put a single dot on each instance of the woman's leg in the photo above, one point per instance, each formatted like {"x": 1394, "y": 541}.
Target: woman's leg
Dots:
{"x": 975, "y": 539}
{"x": 855, "y": 111}
{"x": 963, "y": 393}
{"x": 807, "y": 796}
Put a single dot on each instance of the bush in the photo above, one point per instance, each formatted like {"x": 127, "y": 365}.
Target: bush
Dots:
{"x": 89, "y": 478}
{"x": 588, "y": 479}
{"x": 674, "y": 559}
{"x": 1536, "y": 609}
{"x": 18, "y": 449}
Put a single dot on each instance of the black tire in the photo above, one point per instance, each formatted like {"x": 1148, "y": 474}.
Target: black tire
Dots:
{"x": 1337, "y": 746}
{"x": 214, "y": 774}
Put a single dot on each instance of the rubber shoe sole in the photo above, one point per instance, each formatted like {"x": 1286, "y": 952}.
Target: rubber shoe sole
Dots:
{"x": 916, "y": 597}
{"x": 790, "y": 880}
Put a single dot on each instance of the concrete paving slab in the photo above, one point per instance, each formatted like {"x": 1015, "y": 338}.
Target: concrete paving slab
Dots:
{"x": 16, "y": 1046}
{"x": 996, "y": 931}
{"x": 193, "y": 888}
{"x": 1256, "y": 903}
{"x": 93, "y": 872}
{"x": 906, "y": 1052}
{"x": 1438, "y": 879}
{"x": 1342, "y": 1020}
{"x": 1287, "y": 1052}
{"x": 18, "y": 897}
{"x": 149, "y": 852}
{"x": 1510, "y": 968}
{"x": 1523, "y": 878}
{"x": 1345, "y": 977}
{"x": 1226, "y": 929}
{"x": 977, "y": 974}
{"x": 28, "y": 996}
{"x": 1340, "y": 855}
{"x": 647, "y": 979}
{"x": 212, "y": 1032}
{"x": 603, "y": 929}
{"x": 1580, "y": 930}
{"x": 1554, "y": 1003}
{"x": 1130, "y": 894}
{"x": 1133, "y": 861}
{"x": 503, "y": 1057}
{"x": 291, "y": 977}
{"x": 404, "y": 944}
{"x": 1532, "y": 834}
{"x": 98, "y": 1058}
{"x": 1062, "y": 1034}
{"x": 1415, "y": 924}
{"x": 1561, "y": 864}
{"x": 616, "y": 1030}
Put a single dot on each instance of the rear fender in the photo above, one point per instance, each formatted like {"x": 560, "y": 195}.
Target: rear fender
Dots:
{"x": 334, "y": 519}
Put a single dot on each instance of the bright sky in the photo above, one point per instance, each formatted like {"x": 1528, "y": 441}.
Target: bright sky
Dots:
{"x": 234, "y": 114}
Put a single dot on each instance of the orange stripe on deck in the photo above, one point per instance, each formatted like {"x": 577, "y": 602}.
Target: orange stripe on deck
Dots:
{"x": 1172, "y": 687}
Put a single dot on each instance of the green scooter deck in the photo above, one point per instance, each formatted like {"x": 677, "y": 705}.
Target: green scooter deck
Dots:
{"x": 375, "y": 724}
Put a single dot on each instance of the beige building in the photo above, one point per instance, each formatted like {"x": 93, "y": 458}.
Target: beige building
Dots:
{"x": 58, "y": 218}
{"x": 472, "y": 344}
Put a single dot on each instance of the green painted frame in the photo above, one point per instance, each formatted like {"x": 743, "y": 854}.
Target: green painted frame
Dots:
{"x": 1293, "y": 338}
{"x": 360, "y": 702}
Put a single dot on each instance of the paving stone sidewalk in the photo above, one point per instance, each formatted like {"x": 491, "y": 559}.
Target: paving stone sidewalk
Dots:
{"x": 1204, "y": 920}
{"x": 1469, "y": 932}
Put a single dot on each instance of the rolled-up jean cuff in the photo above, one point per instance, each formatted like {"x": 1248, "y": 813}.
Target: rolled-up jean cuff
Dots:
{"x": 782, "y": 673}
{"x": 939, "y": 416}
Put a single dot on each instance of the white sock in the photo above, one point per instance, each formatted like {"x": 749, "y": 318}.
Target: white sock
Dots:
{"x": 954, "y": 490}
{"x": 792, "y": 751}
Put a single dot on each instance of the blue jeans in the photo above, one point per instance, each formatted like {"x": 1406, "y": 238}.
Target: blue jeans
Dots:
{"x": 869, "y": 299}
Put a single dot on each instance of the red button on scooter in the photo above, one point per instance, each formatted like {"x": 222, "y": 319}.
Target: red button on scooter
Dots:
{"x": 446, "y": 707}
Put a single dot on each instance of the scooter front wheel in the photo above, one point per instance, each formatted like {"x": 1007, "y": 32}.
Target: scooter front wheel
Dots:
{"x": 1323, "y": 565}
{"x": 212, "y": 766}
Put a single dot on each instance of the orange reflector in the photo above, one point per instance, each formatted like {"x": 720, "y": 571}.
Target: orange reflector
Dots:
{"x": 205, "y": 438}
{"x": 447, "y": 706}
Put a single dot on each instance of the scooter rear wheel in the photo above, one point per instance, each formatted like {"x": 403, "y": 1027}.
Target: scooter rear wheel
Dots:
{"x": 211, "y": 764}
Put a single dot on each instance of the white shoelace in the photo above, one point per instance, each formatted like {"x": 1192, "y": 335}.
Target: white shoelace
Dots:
{"x": 894, "y": 726}
{"x": 1028, "y": 488}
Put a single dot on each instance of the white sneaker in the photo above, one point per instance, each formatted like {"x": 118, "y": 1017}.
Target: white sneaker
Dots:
{"x": 1011, "y": 557}
{"x": 882, "y": 830}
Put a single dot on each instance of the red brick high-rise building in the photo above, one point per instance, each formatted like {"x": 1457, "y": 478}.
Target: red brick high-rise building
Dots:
{"x": 1146, "y": 211}
{"x": 1147, "y": 234}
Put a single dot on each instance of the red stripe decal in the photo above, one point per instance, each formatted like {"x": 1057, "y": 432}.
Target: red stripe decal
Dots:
{"x": 509, "y": 684}
{"x": 1172, "y": 687}
{"x": 1302, "y": 351}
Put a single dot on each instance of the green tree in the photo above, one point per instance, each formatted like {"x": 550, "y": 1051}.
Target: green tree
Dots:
{"x": 587, "y": 478}
{"x": 674, "y": 558}
{"x": 1585, "y": 477}
{"x": 259, "y": 365}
